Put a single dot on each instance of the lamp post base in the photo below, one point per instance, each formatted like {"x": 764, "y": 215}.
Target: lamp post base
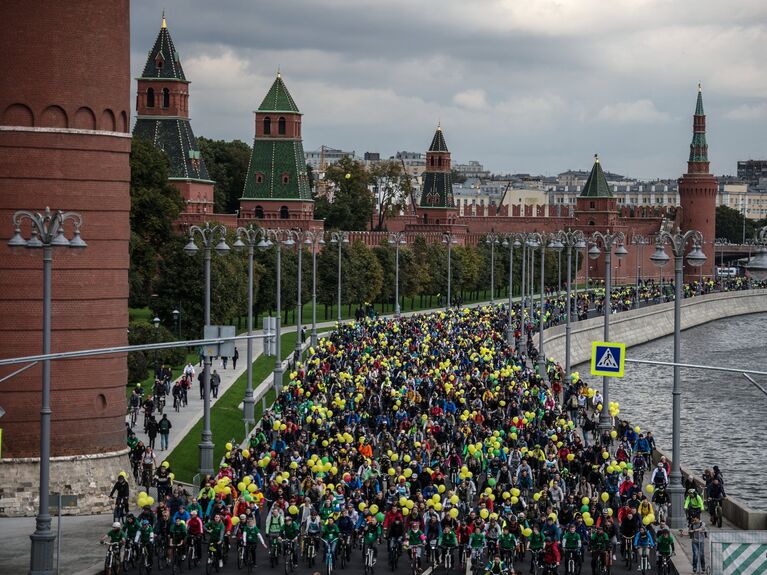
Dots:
{"x": 605, "y": 421}
{"x": 676, "y": 519}
{"x": 248, "y": 410}
{"x": 206, "y": 457}
{"x": 314, "y": 338}
{"x": 510, "y": 336}
{"x": 277, "y": 379}
{"x": 41, "y": 561}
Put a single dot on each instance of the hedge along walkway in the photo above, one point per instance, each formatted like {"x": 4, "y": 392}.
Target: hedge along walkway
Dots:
{"x": 226, "y": 416}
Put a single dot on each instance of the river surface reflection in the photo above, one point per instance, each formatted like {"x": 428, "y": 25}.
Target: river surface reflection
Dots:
{"x": 723, "y": 414}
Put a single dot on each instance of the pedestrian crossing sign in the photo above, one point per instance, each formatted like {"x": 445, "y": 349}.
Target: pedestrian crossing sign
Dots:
{"x": 608, "y": 358}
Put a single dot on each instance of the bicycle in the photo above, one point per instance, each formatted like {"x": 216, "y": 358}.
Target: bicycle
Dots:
{"x": 310, "y": 550}
{"x": 662, "y": 512}
{"x": 643, "y": 558}
{"x": 329, "y": 559}
{"x": 414, "y": 560}
{"x": 434, "y": 558}
{"x": 289, "y": 553}
{"x": 214, "y": 557}
{"x": 395, "y": 550}
{"x": 274, "y": 551}
{"x": 664, "y": 564}
{"x": 112, "y": 560}
{"x": 447, "y": 559}
{"x": 477, "y": 563}
{"x": 536, "y": 565}
{"x": 344, "y": 550}
{"x": 628, "y": 551}
{"x": 145, "y": 560}
{"x": 129, "y": 555}
{"x": 134, "y": 411}
{"x": 176, "y": 559}
{"x": 161, "y": 550}
{"x": 194, "y": 546}
{"x": 121, "y": 504}
{"x": 600, "y": 567}
{"x": 247, "y": 556}
{"x": 572, "y": 561}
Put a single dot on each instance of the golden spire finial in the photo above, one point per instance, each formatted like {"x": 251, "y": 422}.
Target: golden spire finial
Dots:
{"x": 596, "y": 158}
{"x": 278, "y": 72}
{"x": 700, "y": 87}
{"x": 164, "y": 22}
{"x": 439, "y": 125}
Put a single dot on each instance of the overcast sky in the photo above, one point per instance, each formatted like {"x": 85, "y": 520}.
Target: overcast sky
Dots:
{"x": 532, "y": 86}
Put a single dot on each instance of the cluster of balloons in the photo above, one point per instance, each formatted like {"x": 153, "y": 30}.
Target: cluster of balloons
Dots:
{"x": 143, "y": 499}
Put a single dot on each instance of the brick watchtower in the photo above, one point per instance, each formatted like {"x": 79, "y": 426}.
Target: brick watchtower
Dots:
{"x": 162, "y": 105}
{"x": 697, "y": 192}
{"x": 65, "y": 143}
{"x": 437, "y": 205}
{"x": 277, "y": 185}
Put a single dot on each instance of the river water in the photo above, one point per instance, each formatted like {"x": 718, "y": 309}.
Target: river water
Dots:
{"x": 723, "y": 414}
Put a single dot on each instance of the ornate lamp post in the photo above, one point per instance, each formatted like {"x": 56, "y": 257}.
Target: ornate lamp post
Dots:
{"x": 47, "y": 233}
{"x": 212, "y": 238}
{"x": 640, "y": 242}
{"x": 534, "y": 241}
{"x": 449, "y": 240}
{"x": 250, "y": 236}
{"x": 511, "y": 242}
{"x": 695, "y": 258}
{"x": 315, "y": 240}
{"x": 274, "y": 238}
{"x": 341, "y": 239}
{"x": 569, "y": 240}
{"x": 492, "y": 239}
{"x": 553, "y": 244}
{"x": 396, "y": 239}
{"x": 608, "y": 241}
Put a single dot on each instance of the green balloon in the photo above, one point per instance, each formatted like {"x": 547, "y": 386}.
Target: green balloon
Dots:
{"x": 491, "y": 482}
{"x": 380, "y": 517}
{"x": 584, "y": 508}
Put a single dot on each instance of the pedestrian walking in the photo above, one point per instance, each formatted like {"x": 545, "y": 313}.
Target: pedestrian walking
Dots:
{"x": 698, "y": 536}
{"x": 151, "y": 430}
{"x": 164, "y": 427}
{"x": 224, "y": 359}
{"x": 235, "y": 357}
{"x": 215, "y": 381}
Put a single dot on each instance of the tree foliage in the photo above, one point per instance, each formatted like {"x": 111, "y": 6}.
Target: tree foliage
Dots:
{"x": 393, "y": 187}
{"x": 140, "y": 362}
{"x": 353, "y": 203}
{"x": 227, "y": 164}
{"x": 155, "y": 205}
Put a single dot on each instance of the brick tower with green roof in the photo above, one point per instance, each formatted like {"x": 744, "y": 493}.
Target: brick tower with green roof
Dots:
{"x": 162, "y": 106}
{"x": 436, "y": 205}
{"x": 697, "y": 192}
{"x": 595, "y": 207}
{"x": 277, "y": 185}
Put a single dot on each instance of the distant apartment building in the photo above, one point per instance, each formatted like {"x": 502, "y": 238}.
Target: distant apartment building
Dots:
{"x": 471, "y": 169}
{"x": 751, "y": 171}
{"x": 326, "y": 155}
{"x": 413, "y": 162}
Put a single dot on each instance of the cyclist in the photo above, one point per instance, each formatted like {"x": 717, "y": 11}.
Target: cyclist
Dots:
{"x": 448, "y": 540}
{"x": 115, "y": 536}
{"x": 194, "y": 529}
{"x": 628, "y": 530}
{"x": 600, "y": 547}
{"x": 643, "y": 542}
{"x": 477, "y": 543}
{"x": 693, "y": 504}
{"x": 415, "y": 539}
{"x": 346, "y": 530}
{"x": 370, "y": 536}
{"x": 145, "y": 536}
{"x": 659, "y": 477}
{"x": 496, "y": 566}
{"x": 665, "y": 544}
{"x": 492, "y": 534}
{"x": 122, "y": 489}
{"x": 507, "y": 545}
{"x": 715, "y": 494}
{"x": 216, "y": 529}
{"x": 571, "y": 543}
{"x": 290, "y": 532}
{"x": 312, "y": 527}
{"x": 536, "y": 543}
{"x": 330, "y": 534}
{"x": 551, "y": 555}
{"x": 177, "y": 537}
{"x": 249, "y": 535}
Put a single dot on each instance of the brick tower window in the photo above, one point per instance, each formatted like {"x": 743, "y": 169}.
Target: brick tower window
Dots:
{"x": 165, "y": 98}
{"x": 284, "y": 213}
{"x": 281, "y": 126}
{"x": 285, "y": 178}
{"x": 150, "y": 98}
{"x": 259, "y": 178}
{"x": 260, "y": 212}
{"x": 267, "y": 125}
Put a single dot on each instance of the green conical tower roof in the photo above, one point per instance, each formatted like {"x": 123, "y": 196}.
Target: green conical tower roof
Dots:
{"x": 163, "y": 61}
{"x": 278, "y": 99}
{"x": 438, "y": 143}
{"x": 699, "y": 146}
{"x": 699, "y": 104}
{"x": 596, "y": 186}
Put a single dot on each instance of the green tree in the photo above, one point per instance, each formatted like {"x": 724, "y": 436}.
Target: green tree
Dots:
{"x": 729, "y": 225}
{"x": 393, "y": 187}
{"x": 155, "y": 205}
{"x": 364, "y": 275}
{"x": 227, "y": 164}
{"x": 139, "y": 362}
{"x": 353, "y": 203}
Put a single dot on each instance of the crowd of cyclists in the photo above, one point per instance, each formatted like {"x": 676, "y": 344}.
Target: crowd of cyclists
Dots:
{"x": 431, "y": 438}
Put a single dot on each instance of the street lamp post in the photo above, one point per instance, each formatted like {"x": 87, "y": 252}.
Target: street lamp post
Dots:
{"x": 156, "y": 322}
{"x": 553, "y": 244}
{"x": 274, "y": 238}
{"x": 492, "y": 240}
{"x": 533, "y": 242}
{"x": 177, "y": 322}
{"x": 250, "y": 236}
{"x": 569, "y": 239}
{"x": 396, "y": 239}
{"x": 315, "y": 241}
{"x": 340, "y": 238}
{"x": 511, "y": 242}
{"x": 212, "y": 238}
{"x": 640, "y": 242}
{"x": 608, "y": 240}
{"x": 47, "y": 233}
{"x": 447, "y": 238}
{"x": 695, "y": 258}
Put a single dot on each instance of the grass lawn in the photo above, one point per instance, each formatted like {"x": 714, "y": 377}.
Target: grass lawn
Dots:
{"x": 226, "y": 417}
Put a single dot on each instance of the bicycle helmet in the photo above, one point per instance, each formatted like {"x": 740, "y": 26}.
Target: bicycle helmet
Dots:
{"x": 144, "y": 522}
{"x": 116, "y": 525}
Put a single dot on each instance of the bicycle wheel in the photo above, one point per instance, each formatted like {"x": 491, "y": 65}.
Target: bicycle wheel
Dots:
{"x": 329, "y": 564}
{"x": 240, "y": 556}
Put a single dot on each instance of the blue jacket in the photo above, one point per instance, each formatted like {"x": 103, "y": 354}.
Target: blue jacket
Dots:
{"x": 648, "y": 541}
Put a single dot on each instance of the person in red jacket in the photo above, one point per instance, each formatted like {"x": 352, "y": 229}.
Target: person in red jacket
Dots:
{"x": 392, "y": 515}
{"x": 551, "y": 554}
{"x": 194, "y": 529}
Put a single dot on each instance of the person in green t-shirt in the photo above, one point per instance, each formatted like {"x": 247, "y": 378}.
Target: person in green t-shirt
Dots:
{"x": 600, "y": 546}
{"x": 177, "y": 537}
{"x": 115, "y": 535}
{"x": 535, "y": 543}
{"x": 145, "y": 536}
{"x": 371, "y": 536}
{"x": 330, "y": 534}
{"x": 507, "y": 544}
{"x": 571, "y": 545}
{"x": 250, "y": 535}
{"x": 448, "y": 540}
{"x": 289, "y": 532}
{"x": 664, "y": 545}
{"x": 415, "y": 539}
{"x": 217, "y": 529}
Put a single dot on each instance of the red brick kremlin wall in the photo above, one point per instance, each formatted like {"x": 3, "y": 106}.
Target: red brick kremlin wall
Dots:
{"x": 64, "y": 143}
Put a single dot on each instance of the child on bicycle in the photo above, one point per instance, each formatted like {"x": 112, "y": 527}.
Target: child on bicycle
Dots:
{"x": 643, "y": 542}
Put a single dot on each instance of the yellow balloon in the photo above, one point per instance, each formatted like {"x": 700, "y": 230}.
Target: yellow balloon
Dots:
{"x": 409, "y": 504}
{"x": 405, "y": 511}
{"x": 362, "y": 506}
{"x": 235, "y": 520}
{"x": 585, "y": 501}
{"x": 605, "y": 497}
{"x": 588, "y": 521}
{"x": 441, "y": 488}
{"x": 374, "y": 509}
{"x": 454, "y": 500}
{"x": 613, "y": 434}
{"x": 605, "y": 455}
{"x": 229, "y": 446}
{"x": 453, "y": 513}
{"x": 649, "y": 488}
